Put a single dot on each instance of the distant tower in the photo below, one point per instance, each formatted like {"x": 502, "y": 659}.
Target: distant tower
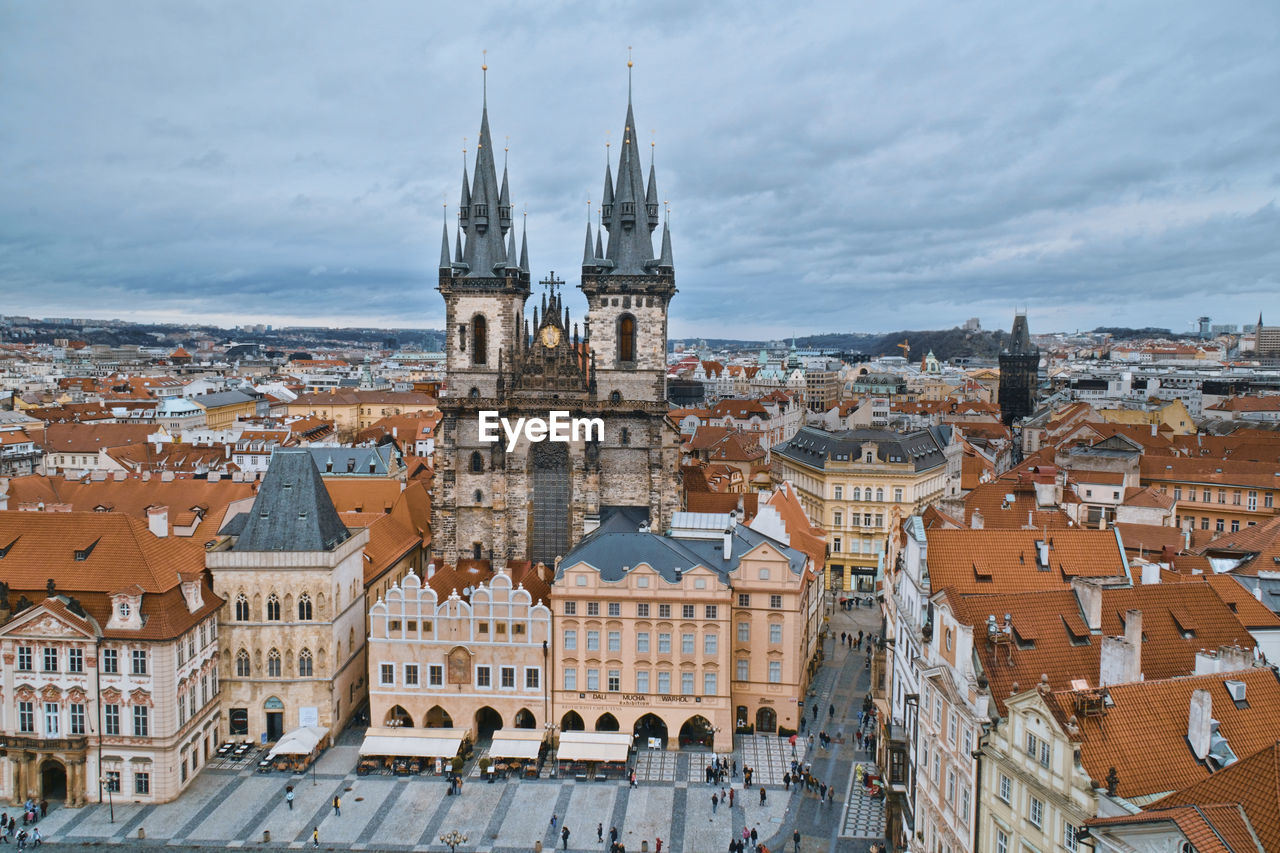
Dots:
{"x": 1205, "y": 331}
{"x": 1019, "y": 374}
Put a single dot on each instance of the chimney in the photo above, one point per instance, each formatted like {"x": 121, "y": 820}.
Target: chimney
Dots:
{"x": 728, "y": 543}
{"x": 431, "y": 570}
{"x": 395, "y": 432}
{"x": 1199, "y": 719}
{"x": 1150, "y": 573}
{"x": 227, "y": 449}
{"x": 1133, "y": 635}
{"x": 1153, "y": 429}
{"x": 158, "y": 521}
{"x": 1090, "y": 597}
{"x": 975, "y": 520}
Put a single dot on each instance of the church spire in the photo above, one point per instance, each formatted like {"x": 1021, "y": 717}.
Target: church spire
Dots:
{"x": 630, "y": 247}
{"x": 445, "y": 263}
{"x": 524, "y": 246}
{"x": 485, "y": 215}
{"x": 664, "y": 261}
{"x": 588, "y": 257}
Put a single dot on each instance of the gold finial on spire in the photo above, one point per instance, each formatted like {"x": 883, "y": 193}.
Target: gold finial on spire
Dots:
{"x": 484, "y": 70}
{"x": 629, "y": 64}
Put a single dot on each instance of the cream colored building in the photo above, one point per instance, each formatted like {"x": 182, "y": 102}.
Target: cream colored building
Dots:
{"x": 682, "y": 637}
{"x": 858, "y": 485}
{"x": 354, "y": 410}
{"x": 439, "y": 659}
{"x": 293, "y": 640}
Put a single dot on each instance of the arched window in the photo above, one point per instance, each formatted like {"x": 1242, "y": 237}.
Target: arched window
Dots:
{"x": 479, "y": 338}
{"x": 273, "y": 608}
{"x": 273, "y": 663}
{"x": 624, "y": 436}
{"x": 304, "y": 608}
{"x": 242, "y": 664}
{"x": 626, "y": 338}
{"x": 477, "y": 462}
{"x": 857, "y": 493}
{"x": 242, "y": 608}
{"x": 615, "y": 397}
{"x": 305, "y": 667}
{"x": 474, "y": 393}
{"x": 880, "y": 495}
{"x": 479, "y": 496}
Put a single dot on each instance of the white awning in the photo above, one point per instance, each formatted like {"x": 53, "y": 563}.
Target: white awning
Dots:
{"x": 515, "y": 743}
{"x": 300, "y": 741}
{"x": 593, "y": 746}
{"x": 412, "y": 743}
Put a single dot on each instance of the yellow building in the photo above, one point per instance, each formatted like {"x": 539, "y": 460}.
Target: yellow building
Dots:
{"x": 1172, "y": 414}
{"x": 354, "y": 410}
{"x": 858, "y": 485}
{"x": 223, "y": 408}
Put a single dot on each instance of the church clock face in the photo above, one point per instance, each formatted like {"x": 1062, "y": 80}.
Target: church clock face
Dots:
{"x": 550, "y": 336}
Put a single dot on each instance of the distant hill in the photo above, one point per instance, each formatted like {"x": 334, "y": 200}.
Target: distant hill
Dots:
{"x": 1121, "y": 333}
{"x": 945, "y": 344}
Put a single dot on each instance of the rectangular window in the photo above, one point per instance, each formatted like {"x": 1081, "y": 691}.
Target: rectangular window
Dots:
{"x": 710, "y": 642}
{"x": 1177, "y": 492}
{"x": 570, "y": 640}
{"x": 1044, "y": 753}
{"x": 139, "y": 658}
{"x": 24, "y": 659}
{"x": 837, "y": 493}
{"x": 532, "y": 678}
{"x": 615, "y": 680}
{"x": 508, "y": 676}
{"x": 1006, "y": 788}
{"x": 1036, "y": 812}
{"x": 1204, "y": 523}
{"x": 593, "y": 641}
{"x": 140, "y": 721}
{"x": 744, "y": 669}
{"x": 951, "y": 729}
{"x": 593, "y": 608}
{"x": 686, "y": 683}
{"x": 111, "y": 719}
{"x": 937, "y": 767}
{"x": 484, "y": 677}
{"x": 964, "y": 805}
{"x": 642, "y": 681}
{"x": 141, "y": 782}
{"x": 411, "y": 675}
{"x": 51, "y": 719}
{"x": 642, "y": 610}
{"x": 1031, "y": 745}
{"x": 387, "y": 674}
{"x": 1235, "y": 525}
{"x": 1069, "y": 839}
{"x": 1002, "y": 842}
{"x": 744, "y": 599}
{"x": 744, "y": 632}
{"x": 571, "y": 608}
{"x": 571, "y": 678}
{"x": 75, "y": 660}
{"x": 837, "y": 519}
{"x": 1219, "y": 526}
{"x": 26, "y": 717}
{"x": 615, "y": 641}
{"x": 687, "y": 611}
{"x": 664, "y": 644}
{"x": 897, "y": 495}
{"x": 836, "y": 544}
{"x": 615, "y": 608}
{"x": 686, "y": 644}
{"x": 775, "y": 602}
{"x": 710, "y": 611}
{"x": 1268, "y": 500}
{"x": 77, "y": 719}
{"x": 1222, "y": 496}
{"x": 1253, "y": 501}
{"x": 50, "y": 660}
{"x": 951, "y": 787}
{"x": 1235, "y": 497}
{"x": 775, "y": 633}
{"x": 664, "y": 611}
{"x": 775, "y": 672}
{"x": 435, "y": 675}
{"x": 664, "y": 683}
{"x": 593, "y": 679}
{"x": 642, "y": 642}
{"x": 708, "y": 684}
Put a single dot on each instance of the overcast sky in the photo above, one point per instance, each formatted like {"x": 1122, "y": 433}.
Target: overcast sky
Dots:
{"x": 840, "y": 167}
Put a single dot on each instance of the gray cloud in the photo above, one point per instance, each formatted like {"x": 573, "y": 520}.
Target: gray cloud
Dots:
{"x": 831, "y": 167}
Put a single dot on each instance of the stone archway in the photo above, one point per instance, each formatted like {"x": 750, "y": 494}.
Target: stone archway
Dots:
{"x": 697, "y": 733}
{"x": 524, "y": 719}
{"x": 398, "y": 716}
{"x": 53, "y": 779}
{"x": 487, "y": 722}
{"x": 766, "y": 720}
{"x": 572, "y": 722}
{"x": 650, "y": 726}
{"x": 437, "y": 718}
{"x": 607, "y": 723}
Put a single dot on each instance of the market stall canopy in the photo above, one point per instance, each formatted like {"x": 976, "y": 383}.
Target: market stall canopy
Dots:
{"x": 412, "y": 743}
{"x": 515, "y": 743}
{"x": 593, "y": 746}
{"x": 300, "y": 741}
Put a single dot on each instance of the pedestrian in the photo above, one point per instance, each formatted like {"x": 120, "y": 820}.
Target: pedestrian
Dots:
{"x": 822, "y": 791}
{"x": 288, "y": 797}
{"x": 795, "y": 839}
{"x": 755, "y": 838}
{"x": 762, "y": 795}
{"x": 745, "y": 835}
{"x": 735, "y": 768}
{"x": 842, "y": 633}
{"x": 553, "y": 821}
{"x": 564, "y": 836}
{"x": 315, "y": 837}
{"x": 786, "y": 781}
{"x": 831, "y": 795}
{"x": 815, "y": 712}
{"x": 633, "y": 778}
{"x": 831, "y": 712}
{"x": 22, "y": 840}
{"x": 613, "y": 834}
{"x": 36, "y": 840}
{"x": 658, "y": 845}
{"x": 600, "y": 832}
{"x": 715, "y": 801}
{"x": 730, "y": 798}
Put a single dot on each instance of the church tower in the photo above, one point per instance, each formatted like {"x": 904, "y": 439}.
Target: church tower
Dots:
{"x": 1019, "y": 374}
{"x": 629, "y": 287}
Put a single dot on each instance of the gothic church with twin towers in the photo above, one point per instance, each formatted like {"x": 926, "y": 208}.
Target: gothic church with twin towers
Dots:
{"x": 536, "y": 501}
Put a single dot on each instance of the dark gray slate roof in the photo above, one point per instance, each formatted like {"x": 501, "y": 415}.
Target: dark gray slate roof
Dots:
{"x": 353, "y": 460}
{"x": 223, "y": 398}
{"x": 814, "y": 447}
{"x": 609, "y": 552}
{"x": 292, "y": 511}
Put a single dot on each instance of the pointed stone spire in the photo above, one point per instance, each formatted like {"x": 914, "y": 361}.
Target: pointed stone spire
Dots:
{"x": 524, "y": 246}
{"x": 588, "y": 259}
{"x": 513, "y": 260}
{"x": 458, "y": 255}
{"x": 665, "y": 261}
{"x": 445, "y": 263}
{"x": 625, "y": 211}
{"x": 599, "y": 243}
{"x": 606, "y": 203}
{"x": 483, "y": 223}
{"x": 651, "y": 198}
{"x": 504, "y": 202}
{"x": 464, "y": 204}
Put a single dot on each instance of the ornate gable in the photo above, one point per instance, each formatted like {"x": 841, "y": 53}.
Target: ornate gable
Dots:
{"x": 45, "y": 622}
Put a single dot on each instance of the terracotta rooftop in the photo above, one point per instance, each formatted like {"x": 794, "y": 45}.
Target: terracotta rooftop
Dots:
{"x": 1148, "y": 497}
{"x": 1224, "y": 472}
{"x": 1253, "y": 782}
{"x": 988, "y": 561}
{"x": 91, "y": 437}
{"x": 991, "y": 501}
{"x": 1143, "y": 733}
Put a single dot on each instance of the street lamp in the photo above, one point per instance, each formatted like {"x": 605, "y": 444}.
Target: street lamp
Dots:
{"x": 104, "y": 782}
{"x": 453, "y": 838}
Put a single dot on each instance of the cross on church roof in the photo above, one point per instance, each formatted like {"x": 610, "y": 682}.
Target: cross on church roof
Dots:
{"x": 551, "y": 283}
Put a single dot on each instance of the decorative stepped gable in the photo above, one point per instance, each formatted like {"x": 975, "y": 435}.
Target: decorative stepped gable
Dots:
{"x": 293, "y": 511}
{"x": 549, "y": 359}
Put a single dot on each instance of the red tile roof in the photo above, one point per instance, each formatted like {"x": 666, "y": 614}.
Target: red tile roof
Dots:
{"x": 984, "y": 561}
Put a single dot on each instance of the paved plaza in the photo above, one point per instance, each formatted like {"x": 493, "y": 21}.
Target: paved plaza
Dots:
{"x": 232, "y": 805}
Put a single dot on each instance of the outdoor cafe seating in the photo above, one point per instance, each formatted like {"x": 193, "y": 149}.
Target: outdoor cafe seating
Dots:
{"x": 409, "y": 752}
{"x": 593, "y": 755}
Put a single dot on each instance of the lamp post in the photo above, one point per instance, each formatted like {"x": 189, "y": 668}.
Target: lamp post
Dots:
{"x": 550, "y": 736}
{"x": 103, "y": 782}
{"x": 453, "y": 838}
